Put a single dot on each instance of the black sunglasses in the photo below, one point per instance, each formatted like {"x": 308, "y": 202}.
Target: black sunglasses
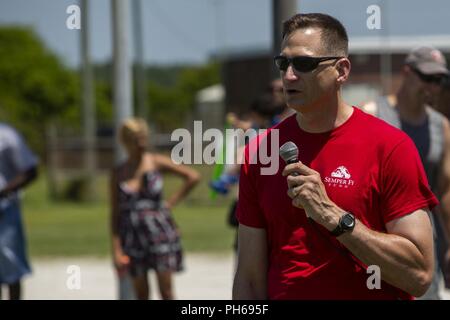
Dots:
{"x": 300, "y": 63}
{"x": 430, "y": 78}
{"x": 446, "y": 81}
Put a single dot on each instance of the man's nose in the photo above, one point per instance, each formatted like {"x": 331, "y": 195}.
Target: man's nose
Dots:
{"x": 290, "y": 74}
{"x": 434, "y": 88}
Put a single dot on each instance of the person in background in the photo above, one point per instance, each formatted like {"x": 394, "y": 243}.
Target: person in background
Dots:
{"x": 443, "y": 102}
{"x": 144, "y": 234}
{"x": 18, "y": 168}
{"x": 410, "y": 110}
{"x": 443, "y": 106}
{"x": 262, "y": 113}
{"x": 265, "y": 111}
{"x": 282, "y": 111}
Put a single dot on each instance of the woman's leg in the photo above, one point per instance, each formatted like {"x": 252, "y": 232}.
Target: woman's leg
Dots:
{"x": 165, "y": 285}
{"x": 141, "y": 286}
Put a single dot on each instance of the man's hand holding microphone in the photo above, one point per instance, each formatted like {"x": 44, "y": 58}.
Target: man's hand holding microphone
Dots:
{"x": 307, "y": 191}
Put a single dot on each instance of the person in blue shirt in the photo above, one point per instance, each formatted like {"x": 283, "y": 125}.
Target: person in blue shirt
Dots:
{"x": 18, "y": 167}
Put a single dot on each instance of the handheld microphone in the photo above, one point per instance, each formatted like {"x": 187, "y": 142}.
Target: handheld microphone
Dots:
{"x": 289, "y": 153}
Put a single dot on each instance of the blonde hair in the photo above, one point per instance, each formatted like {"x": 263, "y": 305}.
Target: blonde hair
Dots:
{"x": 130, "y": 128}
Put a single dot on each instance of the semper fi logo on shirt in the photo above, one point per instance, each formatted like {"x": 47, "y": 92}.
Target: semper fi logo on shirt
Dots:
{"x": 340, "y": 178}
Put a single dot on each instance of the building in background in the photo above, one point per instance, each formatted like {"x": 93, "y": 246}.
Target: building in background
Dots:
{"x": 247, "y": 73}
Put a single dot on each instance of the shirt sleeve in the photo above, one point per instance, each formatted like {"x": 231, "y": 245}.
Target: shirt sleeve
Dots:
{"x": 249, "y": 212}
{"x": 405, "y": 187}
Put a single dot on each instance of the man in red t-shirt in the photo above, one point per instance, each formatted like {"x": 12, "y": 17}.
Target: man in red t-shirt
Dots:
{"x": 359, "y": 180}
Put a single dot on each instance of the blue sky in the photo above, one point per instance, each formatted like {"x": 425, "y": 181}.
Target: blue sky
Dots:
{"x": 178, "y": 31}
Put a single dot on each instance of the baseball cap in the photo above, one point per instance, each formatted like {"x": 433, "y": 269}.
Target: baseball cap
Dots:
{"x": 427, "y": 60}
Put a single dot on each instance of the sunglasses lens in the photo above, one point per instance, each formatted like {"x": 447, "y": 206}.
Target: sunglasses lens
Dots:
{"x": 438, "y": 80}
{"x": 282, "y": 63}
{"x": 301, "y": 64}
{"x": 432, "y": 79}
{"x": 435, "y": 79}
{"x": 304, "y": 64}
{"x": 446, "y": 81}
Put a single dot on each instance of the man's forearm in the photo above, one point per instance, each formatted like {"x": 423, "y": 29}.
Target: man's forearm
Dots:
{"x": 244, "y": 289}
{"x": 400, "y": 261}
{"x": 18, "y": 182}
{"x": 14, "y": 185}
{"x": 241, "y": 289}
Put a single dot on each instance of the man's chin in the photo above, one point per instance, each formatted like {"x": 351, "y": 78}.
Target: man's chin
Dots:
{"x": 299, "y": 106}
{"x": 429, "y": 99}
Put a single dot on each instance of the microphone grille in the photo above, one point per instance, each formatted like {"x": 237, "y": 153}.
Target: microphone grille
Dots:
{"x": 289, "y": 151}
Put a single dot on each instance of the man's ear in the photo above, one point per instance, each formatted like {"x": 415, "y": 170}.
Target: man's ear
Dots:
{"x": 343, "y": 67}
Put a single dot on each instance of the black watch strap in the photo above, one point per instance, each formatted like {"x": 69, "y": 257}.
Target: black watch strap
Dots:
{"x": 346, "y": 223}
{"x": 338, "y": 230}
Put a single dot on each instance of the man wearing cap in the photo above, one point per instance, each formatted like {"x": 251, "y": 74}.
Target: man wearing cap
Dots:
{"x": 423, "y": 73}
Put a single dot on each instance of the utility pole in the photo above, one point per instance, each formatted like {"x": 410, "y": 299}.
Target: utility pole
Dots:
{"x": 385, "y": 57}
{"x": 141, "y": 90}
{"x": 220, "y": 46}
{"x": 281, "y": 11}
{"x": 88, "y": 107}
{"x": 122, "y": 68}
{"x": 122, "y": 99}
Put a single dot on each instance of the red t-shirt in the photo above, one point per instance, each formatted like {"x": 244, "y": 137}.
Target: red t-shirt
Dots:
{"x": 368, "y": 168}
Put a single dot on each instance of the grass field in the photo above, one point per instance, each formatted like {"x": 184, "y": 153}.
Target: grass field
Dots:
{"x": 64, "y": 228}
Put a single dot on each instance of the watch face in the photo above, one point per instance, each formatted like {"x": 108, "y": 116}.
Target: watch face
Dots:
{"x": 348, "y": 221}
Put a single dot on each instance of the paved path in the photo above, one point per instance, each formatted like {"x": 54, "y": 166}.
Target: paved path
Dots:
{"x": 207, "y": 277}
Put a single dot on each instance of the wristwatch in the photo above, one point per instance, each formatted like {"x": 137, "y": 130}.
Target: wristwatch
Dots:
{"x": 346, "y": 224}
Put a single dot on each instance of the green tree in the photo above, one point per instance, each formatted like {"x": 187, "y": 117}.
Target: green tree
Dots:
{"x": 35, "y": 88}
{"x": 171, "y": 92}
{"x": 169, "y": 105}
